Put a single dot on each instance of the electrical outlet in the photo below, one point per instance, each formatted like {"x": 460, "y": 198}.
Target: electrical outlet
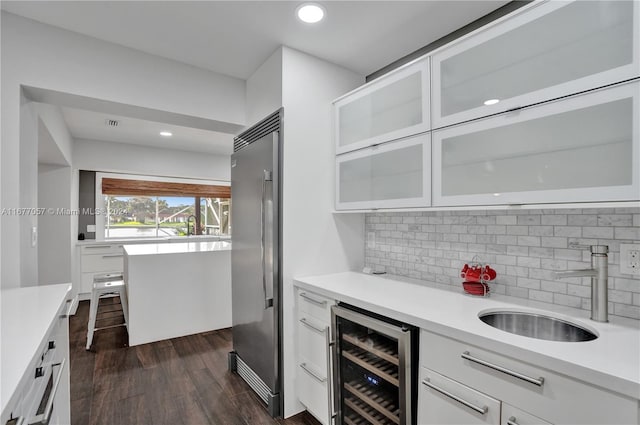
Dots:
{"x": 630, "y": 259}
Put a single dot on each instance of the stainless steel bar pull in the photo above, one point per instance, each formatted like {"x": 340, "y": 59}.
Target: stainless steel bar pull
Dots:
{"x": 535, "y": 381}
{"x": 482, "y": 410}
{"x": 266, "y": 236}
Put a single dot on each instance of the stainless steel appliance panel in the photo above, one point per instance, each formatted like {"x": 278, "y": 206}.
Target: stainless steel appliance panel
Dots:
{"x": 254, "y": 264}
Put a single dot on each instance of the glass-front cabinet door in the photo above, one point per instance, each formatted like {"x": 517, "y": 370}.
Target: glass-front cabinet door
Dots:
{"x": 579, "y": 149}
{"x": 392, "y": 107}
{"x": 545, "y": 51}
{"x": 393, "y": 175}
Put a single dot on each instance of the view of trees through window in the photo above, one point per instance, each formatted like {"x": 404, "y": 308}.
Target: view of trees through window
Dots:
{"x": 157, "y": 216}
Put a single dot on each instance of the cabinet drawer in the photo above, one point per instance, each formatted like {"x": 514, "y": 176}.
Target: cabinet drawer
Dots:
{"x": 312, "y": 391}
{"x": 312, "y": 342}
{"x": 557, "y": 398}
{"x": 444, "y": 401}
{"x": 514, "y": 416}
{"x": 316, "y": 306}
{"x": 101, "y": 249}
{"x": 102, "y": 262}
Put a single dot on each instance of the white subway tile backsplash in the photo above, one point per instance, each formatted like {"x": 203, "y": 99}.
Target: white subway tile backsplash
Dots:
{"x": 529, "y": 240}
{"x": 567, "y": 231}
{"x": 525, "y": 247}
{"x": 627, "y": 233}
{"x": 507, "y": 219}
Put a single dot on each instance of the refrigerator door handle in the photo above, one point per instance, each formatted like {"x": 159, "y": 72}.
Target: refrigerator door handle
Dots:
{"x": 266, "y": 275}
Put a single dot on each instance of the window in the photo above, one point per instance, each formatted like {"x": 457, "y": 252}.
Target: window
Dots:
{"x": 156, "y": 216}
{"x": 144, "y": 208}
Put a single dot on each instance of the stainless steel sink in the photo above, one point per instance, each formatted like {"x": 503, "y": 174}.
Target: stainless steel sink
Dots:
{"x": 538, "y": 326}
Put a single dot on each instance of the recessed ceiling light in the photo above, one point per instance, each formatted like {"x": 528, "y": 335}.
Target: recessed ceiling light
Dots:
{"x": 310, "y": 13}
{"x": 491, "y": 102}
{"x": 166, "y": 134}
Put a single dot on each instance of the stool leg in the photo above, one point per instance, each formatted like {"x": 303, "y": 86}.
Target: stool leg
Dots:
{"x": 124, "y": 301}
{"x": 93, "y": 312}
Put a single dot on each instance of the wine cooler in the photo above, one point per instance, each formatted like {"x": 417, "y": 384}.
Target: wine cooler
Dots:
{"x": 374, "y": 368}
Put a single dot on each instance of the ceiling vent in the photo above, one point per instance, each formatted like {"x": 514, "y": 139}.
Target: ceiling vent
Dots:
{"x": 111, "y": 123}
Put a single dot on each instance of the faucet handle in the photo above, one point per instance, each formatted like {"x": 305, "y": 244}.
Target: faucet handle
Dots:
{"x": 595, "y": 249}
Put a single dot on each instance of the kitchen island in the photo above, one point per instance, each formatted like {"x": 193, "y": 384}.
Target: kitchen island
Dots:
{"x": 177, "y": 289}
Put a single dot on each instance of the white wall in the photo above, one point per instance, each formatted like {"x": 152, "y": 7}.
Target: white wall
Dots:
{"x": 54, "y": 230}
{"x": 42, "y": 56}
{"x": 98, "y": 155}
{"x": 52, "y": 117}
{"x": 19, "y": 227}
{"x": 264, "y": 89}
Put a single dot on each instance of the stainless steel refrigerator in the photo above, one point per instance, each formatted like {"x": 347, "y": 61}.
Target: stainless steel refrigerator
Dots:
{"x": 255, "y": 259}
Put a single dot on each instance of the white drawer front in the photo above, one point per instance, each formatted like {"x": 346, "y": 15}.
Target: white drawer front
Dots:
{"x": 101, "y": 249}
{"x": 315, "y": 306}
{"x": 312, "y": 391}
{"x": 312, "y": 342}
{"x": 102, "y": 262}
{"x": 514, "y": 416}
{"x": 444, "y": 401}
{"x": 558, "y": 399}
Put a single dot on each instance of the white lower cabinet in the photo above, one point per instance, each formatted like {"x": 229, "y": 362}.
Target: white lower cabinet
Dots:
{"x": 470, "y": 378}
{"x": 313, "y": 372}
{"x": 444, "y": 401}
{"x": 99, "y": 259}
{"x": 514, "y": 416}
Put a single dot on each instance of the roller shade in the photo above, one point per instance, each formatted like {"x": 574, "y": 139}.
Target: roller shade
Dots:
{"x": 152, "y": 188}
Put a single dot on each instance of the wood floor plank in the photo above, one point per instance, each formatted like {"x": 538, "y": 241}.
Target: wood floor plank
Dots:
{"x": 251, "y": 409}
{"x": 182, "y": 381}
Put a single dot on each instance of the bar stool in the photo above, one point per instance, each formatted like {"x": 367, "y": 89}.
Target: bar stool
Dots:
{"x": 107, "y": 285}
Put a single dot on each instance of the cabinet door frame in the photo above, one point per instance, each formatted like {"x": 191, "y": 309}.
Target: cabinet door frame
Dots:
{"x": 575, "y": 195}
{"x": 423, "y": 139}
{"x": 503, "y": 26}
{"x": 421, "y": 65}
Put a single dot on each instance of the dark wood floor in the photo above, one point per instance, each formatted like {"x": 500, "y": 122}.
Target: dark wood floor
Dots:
{"x": 182, "y": 381}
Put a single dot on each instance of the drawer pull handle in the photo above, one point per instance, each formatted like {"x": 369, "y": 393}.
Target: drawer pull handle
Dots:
{"x": 43, "y": 419}
{"x": 112, "y": 255}
{"x": 512, "y": 421}
{"x": 313, "y": 300}
{"x": 97, "y": 247}
{"x": 305, "y": 322}
{"x": 312, "y": 373}
{"x": 539, "y": 381}
{"x": 482, "y": 410}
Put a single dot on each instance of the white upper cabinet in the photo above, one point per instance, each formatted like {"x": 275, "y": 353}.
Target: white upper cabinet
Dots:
{"x": 393, "y": 175}
{"x": 543, "y": 52}
{"x": 579, "y": 149}
{"x": 391, "y": 107}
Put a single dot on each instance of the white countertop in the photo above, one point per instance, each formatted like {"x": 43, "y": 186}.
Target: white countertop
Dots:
{"x": 27, "y": 316}
{"x": 176, "y": 248}
{"x": 611, "y": 361}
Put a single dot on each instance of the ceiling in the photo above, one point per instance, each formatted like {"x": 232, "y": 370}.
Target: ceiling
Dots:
{"x": 91, "y": 125}
{"x": 236, "y": 37}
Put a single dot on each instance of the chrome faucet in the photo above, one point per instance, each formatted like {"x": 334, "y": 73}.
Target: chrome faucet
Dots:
{"x": 599, "y": 273}
{"x": 195, "y": 223}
